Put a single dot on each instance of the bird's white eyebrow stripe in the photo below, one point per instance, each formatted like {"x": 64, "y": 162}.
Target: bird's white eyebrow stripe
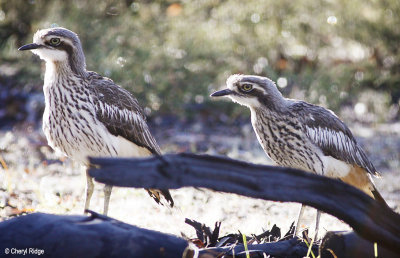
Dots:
{"x": 255, "y": 86}
{"x": 68, "y": 41}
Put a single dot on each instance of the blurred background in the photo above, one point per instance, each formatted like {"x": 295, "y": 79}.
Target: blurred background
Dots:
{"x": 343, "y": 55}
{"x": 172, "y": 55}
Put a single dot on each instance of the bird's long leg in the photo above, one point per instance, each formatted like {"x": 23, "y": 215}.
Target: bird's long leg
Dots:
{"x": 301, "y": 212}
{"x": 89, "y": 188}
{"x": 317, "y": 225}
{"x": 107, "y": 194}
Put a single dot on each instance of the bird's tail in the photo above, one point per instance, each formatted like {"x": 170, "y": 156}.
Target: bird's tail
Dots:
{"x": 157, "y": 193}
{"x": 374, "y": 191}
{"x": 377, "y": 196}
{"x": 361, "y": 179}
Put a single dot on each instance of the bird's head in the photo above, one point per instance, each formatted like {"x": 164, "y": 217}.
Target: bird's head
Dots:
{"x": 251, "y": 91}
{"x": 58, "y": 45}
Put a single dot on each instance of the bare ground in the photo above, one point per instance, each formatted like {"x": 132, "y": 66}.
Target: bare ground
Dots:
{"x": 38, "y": 180}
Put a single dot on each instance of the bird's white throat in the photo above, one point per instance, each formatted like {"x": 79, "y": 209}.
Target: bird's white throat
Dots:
{"x": 50, "y": 54}
{"x": 55, "y": 70}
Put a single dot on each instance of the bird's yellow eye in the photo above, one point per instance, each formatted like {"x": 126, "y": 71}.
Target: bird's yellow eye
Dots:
{"x": 55, "y": 42}
{"x": 247, "y": 87}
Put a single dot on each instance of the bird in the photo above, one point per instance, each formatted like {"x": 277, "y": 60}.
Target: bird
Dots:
{"x": 298, "y": 134}
{"x": 86, "y": 114}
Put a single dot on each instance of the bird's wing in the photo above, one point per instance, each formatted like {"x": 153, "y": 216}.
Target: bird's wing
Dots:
{"x": 121, "y": 114}
{"x": 331, "y": 135}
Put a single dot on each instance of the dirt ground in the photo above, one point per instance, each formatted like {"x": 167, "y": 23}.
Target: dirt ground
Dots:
{"x": 35, "y": 179}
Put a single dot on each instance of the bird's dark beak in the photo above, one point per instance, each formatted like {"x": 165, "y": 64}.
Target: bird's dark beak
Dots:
{"x": 29, "y": 47}
{"x": 221, "y": 93}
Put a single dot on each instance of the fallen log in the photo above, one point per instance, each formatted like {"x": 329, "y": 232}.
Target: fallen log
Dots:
{"x": 291, "y": 248}
{"x": 269, "y": 243}
{"x": 47, "y": 235}
{"x": 370, "y": 219}
{"x": 350, "y": 245}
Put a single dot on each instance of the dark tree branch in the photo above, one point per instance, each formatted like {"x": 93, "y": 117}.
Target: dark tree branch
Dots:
{"x": 100, "y": 236}
{"x": 232, "y": 244}
{"x": 370, "y": 219}
{"x": 204, "y": 233}
{"x": 349, "y": 244}
{"x": 293, "y": 247}
{"x": 81, "y": 236}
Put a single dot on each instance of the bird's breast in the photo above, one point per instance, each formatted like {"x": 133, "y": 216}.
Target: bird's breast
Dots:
{"x": 71, "y": 127}
{"x": 285, "y": 143}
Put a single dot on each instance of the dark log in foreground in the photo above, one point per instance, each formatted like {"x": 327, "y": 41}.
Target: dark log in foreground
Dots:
{"x": 269, "y": 243}
{"x": 370, "y": 219}
{"x": 350, "y": 245}
{"x": 293, "y": 247}
{"x": 47, "y": 235}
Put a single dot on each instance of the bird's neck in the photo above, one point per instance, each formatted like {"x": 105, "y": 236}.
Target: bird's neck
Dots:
{"x": 59, "y": 72}
{"x": 273, "y": 105}
{"x": 60, "y": 83}
{"x": 260, "y": 112}
{"x": 270, "y": 111}
{"x": 56, "y": 70}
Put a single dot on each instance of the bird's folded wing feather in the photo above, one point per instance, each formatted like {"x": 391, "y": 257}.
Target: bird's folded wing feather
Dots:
{"x": 331, "y": 135}
{"x": 120, "y": 112}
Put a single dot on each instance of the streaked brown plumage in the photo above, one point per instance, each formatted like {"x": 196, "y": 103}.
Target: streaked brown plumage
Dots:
{"x": 87, "y": 114}
{"x": 301, "y": 135}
